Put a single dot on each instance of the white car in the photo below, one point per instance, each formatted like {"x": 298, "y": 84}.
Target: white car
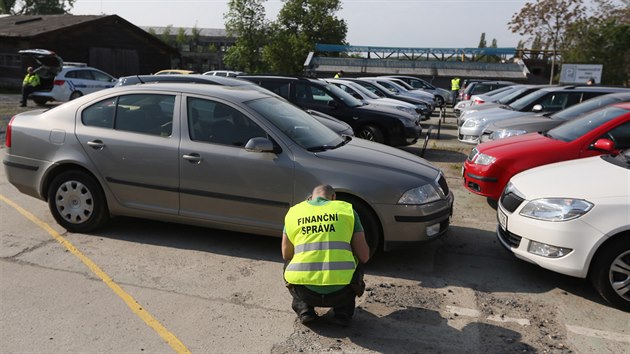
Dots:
{"x": 64, "y": 82}
{"x": 573, "y": 218}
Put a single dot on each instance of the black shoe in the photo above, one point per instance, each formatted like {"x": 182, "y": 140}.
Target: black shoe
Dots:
{"x": 342, "y": 320}
{"x": 307, "y": 317}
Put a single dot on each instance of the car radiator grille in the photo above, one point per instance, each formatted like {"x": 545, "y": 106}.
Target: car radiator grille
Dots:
{"x": 509, "y": 238}
{"x": 510, "y": 201}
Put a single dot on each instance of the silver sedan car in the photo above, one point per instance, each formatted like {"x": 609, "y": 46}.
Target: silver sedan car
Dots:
{"x": 223, "y": 157}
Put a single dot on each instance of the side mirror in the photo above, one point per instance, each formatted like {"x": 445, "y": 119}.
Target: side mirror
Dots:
{"x": 259, "y": 144}
{"x": 603, "y": 144}
{"x": 537, "y": 108}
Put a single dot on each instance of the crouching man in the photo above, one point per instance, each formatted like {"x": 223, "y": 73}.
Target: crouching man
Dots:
{"x": 325, "y": 248}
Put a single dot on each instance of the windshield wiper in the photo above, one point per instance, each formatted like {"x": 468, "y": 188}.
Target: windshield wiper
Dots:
{"x": 346, "y": 139}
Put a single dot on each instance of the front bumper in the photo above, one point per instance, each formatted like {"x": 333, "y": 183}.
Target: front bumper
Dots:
{"x": 482, "y": 182}
{"x": 416, "y": 223}
{"x": 469, "y": 135}
{"x": 519, "y": 233}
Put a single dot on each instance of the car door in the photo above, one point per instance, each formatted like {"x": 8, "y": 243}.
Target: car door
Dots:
{"x": 222, "y": 182}
{"x": 134, "y": 145}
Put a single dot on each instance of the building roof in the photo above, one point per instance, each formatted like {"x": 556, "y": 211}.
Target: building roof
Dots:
{"x": 33, "y": 25}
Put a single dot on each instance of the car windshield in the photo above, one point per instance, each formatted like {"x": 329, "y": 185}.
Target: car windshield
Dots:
{"x": 574, "y": 129}
{"x": 344, "y": 96}
{"x": 364, "y": 91}
{"x": 585, "y": 107}
{"x": 512, "y": 95}
{"x": 525, "y": 101}
{"x": 296, "y": 124}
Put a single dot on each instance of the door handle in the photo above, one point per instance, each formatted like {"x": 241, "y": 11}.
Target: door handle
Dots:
{"x": 96, "y": 144}
{"x": 193, "y": 157}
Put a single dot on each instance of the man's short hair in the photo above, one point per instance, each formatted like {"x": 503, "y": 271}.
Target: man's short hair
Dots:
{"x": 324, "y": 190}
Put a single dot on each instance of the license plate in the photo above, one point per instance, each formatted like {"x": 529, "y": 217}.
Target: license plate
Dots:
{"x": 502, "y": 219}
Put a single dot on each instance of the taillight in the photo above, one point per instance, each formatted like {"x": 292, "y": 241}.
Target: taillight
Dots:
{"x": 479, "y": 101}
{"x": 466, "y": 97}
{"x": 59, "y": 82}
{"x": 7, "y": 136}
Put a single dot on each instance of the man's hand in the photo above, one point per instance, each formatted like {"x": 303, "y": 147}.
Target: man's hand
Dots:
{"x": 287, "y": 248}
{"x": 360, "y": 247}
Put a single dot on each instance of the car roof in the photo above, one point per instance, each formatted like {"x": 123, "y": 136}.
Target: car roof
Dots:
{"x": 192, "y": 78}
{"x": 587, "y": 88}
{"x": 231, "y": 93}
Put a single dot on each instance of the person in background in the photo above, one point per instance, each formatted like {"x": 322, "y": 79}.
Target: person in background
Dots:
{"x": 590, "y": 82}
{"x": 29, "y": 85}
{"x": 325, "y": 248}
{"x": 339, "y": 74}
{"x": 454, "y": 89}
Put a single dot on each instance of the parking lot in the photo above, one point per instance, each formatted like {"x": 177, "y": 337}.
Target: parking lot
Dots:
{"x": 145, "y": 286}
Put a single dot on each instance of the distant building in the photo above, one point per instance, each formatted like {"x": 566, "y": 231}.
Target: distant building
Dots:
{"x": 201, "y": 49}
{"x": 107, "y": 42}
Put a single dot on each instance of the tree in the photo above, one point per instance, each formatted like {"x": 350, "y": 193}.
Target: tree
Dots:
{"x": 245, "y": 20}
{"x": 36, "y": 7}
{"x": 299, "y": 26}
{"x": 603, "y": 39}
{"x": 548, "y": 20}
{"x": 482, "y": 41}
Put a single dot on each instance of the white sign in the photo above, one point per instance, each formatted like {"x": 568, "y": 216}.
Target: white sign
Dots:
{"x": 580, "y": 73}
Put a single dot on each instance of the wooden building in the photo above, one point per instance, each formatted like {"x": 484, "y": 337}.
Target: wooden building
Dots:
{"x": 107, "y": 42}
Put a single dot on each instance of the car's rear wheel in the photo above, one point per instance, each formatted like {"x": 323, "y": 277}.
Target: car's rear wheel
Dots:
{"x": 77, "y": 201}
{"x": 439, "y": 101}
{"x": 370, "y": 132}
{"x": 40, "y": 101}
{"x": 610, "y": 272}
{"x": 370, "y": 222}
{"x": 75, "y": 95}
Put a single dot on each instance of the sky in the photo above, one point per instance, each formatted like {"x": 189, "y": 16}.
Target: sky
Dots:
{"x": 385, "y": 23}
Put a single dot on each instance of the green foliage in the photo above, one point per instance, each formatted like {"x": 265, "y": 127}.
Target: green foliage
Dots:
{"x": 482, "y": 41}
{"x": 181, "y": 39}
{"x": 299, "y": 26}
{"x": 36, "y": 7}
{"x": 245, "y": 20}
{"x": 603, "y": 41}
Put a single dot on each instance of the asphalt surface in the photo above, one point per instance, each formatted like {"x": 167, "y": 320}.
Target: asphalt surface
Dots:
{"x": 143, "y": 286}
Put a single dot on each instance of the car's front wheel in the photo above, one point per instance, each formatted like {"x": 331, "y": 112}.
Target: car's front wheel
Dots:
{"x": 611, "y": 272}
{"x": 369, "y": 221}
{"x": 439, "y": 101}
{"x": 370, "y": 132}
{"x": 77, "y": 201}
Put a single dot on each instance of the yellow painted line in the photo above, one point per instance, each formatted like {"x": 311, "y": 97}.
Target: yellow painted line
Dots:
{"x": 167, "y": 336}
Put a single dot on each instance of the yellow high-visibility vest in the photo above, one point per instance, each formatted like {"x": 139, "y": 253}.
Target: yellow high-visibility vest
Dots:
{"x": 454, "y": 84}
{"x": 321, "y": 236}
{"x": 31, "y": 79}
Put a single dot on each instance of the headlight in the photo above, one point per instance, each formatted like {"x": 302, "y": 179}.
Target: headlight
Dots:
{"x": 422, "y": 106}
{"x": 504, "y": 133}
{"x": 420, "y": 195}
{"x": 483, "y": 159}
{"x": 556, "y": 209}
{"x": 471, "y": 123}
{"x": 406, "y": 110}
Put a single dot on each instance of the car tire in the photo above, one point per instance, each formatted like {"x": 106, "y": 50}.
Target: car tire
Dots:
{"x": 611, "y": 265}
{"x": 77, "y": 201}
{"x": 75, "y": 95}
{"x": 40, "y": 101}
{"x": 370, "y": 132}
{"x": 439, "y": 101}
{"x": 370, "y": 222}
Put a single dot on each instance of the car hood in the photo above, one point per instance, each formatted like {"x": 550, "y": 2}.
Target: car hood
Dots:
{"x": 44, "y": 57}
{"x": 581, "y": 178}
{"x": 378, "y": 159}
{"x": 532, "y": 122}
{"x": 525, "y": 144}
{"x": 383, "y": 109}
{"x": 491, "y": 115}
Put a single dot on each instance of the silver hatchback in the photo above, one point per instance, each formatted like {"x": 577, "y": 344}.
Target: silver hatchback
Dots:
{"x": 224, "y": 157}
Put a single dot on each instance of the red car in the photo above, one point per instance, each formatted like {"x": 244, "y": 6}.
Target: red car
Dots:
{"x": 490, "y": 165}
